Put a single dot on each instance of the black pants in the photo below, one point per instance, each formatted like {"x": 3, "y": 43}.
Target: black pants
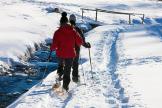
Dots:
{"x": 76, "y": 63}
{"x": 64, "y": 68}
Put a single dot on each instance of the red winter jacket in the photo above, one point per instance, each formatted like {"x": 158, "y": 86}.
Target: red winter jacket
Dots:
{"x": 64, "y": 41}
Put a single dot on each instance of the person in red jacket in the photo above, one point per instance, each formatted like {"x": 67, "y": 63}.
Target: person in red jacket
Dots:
{"x": 64, "y": 41}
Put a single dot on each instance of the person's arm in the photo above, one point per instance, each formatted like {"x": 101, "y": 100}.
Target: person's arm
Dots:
{"x": 54, "y": 42}
{"x": 85, "y": 44}
{"x": 78, "y": 39}
{"x": 80, "y": 33}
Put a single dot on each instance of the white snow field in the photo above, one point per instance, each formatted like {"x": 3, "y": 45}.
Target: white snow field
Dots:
{"x": 22, "y": 25}
{"x": 126, "y": 59}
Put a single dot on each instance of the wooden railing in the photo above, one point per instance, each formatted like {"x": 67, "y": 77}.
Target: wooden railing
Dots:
{"x": 113, "y": 12}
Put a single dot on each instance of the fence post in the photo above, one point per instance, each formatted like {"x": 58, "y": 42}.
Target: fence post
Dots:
{"x": 82, "y": 13}
{"x": 129, "y": 18}
{"x": 96, "y": 14}
{"x": 143, "y": 18}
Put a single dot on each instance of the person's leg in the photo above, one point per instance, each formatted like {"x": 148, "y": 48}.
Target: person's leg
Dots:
{"x": 76, "y": 62}
{"x": 60, "y": 67}
{"x": 76, "y": 65}
{"x": 67, "y": 70}
{"x": 75, "y": 69}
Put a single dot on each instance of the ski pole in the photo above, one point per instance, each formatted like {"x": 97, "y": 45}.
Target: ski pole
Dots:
{"x": 82, "y": 69}
{"x": 90, "y": 61}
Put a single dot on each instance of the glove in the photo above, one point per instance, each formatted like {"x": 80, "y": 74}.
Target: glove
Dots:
{"x": 87, "y": 45}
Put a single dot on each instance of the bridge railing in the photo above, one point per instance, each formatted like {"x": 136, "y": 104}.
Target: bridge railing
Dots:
{"x": 113, "y": 12}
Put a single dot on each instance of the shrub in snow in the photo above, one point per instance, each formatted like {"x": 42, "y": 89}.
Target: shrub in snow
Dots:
{"x": 52, "y": 9}
{"x": 4, "y": 69}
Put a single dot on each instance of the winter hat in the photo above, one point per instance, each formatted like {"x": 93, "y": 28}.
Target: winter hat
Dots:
{"x": 64, "y": 14}
{"x": 72, "y": 18}
{"x": 64, "y": 18}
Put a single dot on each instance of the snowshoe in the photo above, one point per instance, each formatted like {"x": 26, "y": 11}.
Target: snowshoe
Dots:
{"x": 60, "y": 91}
{"x": 55, "y": 86}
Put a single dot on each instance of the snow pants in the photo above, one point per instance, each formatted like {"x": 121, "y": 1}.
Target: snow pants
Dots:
{"x": 64, "y": 68}
{"x": 76, "y": 63}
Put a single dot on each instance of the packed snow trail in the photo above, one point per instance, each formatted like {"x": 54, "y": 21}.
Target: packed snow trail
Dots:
{"x": 140, "y": 60}
{"x": 91, "y": 95}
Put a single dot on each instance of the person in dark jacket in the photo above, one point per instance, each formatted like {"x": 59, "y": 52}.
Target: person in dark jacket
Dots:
{"x": 64, "y": 41}
{"x": 75, "y": 75}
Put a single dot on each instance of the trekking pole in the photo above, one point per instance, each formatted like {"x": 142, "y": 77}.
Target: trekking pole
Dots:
{"x": 82, "y": 69}
{"x": 90, "y": 61}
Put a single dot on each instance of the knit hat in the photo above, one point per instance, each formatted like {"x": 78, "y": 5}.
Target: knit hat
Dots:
{"x": 72, "y": 18}
{"x": 64, "y": 14}
{"x": 64, "y": 18}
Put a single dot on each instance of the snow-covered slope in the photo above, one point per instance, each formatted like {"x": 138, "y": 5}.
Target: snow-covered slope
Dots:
{"x": 22, "y": 25}
{"x": 27, "y": 22}
{"x": 126, "y": 59}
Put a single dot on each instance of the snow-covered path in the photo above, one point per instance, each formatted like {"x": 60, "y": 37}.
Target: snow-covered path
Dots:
{"x": 97, "y": 92}
{"x": 140, "y": 60}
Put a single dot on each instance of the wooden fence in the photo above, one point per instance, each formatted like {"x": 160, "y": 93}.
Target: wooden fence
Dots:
{"x": 113, "y": 12}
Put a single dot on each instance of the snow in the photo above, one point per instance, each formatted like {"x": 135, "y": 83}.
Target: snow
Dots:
{"x": 25, "y": 24}
{"x": 143, "y": 52}
{"x": 126, "y": 59}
